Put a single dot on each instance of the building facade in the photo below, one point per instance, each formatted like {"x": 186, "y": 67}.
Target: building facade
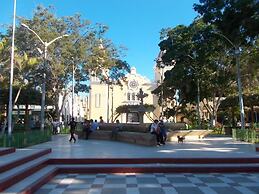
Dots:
{"x": 77, "y": 108}
{"x": 105, "y": 98}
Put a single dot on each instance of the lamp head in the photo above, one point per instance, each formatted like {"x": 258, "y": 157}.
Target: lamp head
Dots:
{"x": 24, "y": 25}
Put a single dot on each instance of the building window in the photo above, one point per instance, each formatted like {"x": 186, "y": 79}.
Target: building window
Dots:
{"x": 128, "y": 96}
{"x": 97, "y": 100}
{"x": 133, "y": 96}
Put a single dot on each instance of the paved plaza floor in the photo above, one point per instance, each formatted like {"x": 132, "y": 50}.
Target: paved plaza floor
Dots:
{"x": 149, "y": 183}
{"x": 214, "y": 147}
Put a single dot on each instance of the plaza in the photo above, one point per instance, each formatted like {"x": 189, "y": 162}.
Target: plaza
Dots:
{"x": 162, "y": 97}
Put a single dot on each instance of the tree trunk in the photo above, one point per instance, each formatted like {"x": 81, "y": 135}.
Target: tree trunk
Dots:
{"x": 26, "y": 118}
{"x": 58, "y": 110}
{"x": 252, "y": 116}
{"x": 213, "y": 120}
{"x": 15, "y": 100}
{"x": 5, "y": 121}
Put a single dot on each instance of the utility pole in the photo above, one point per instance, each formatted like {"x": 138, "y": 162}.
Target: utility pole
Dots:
{"x": 10, "y": 107}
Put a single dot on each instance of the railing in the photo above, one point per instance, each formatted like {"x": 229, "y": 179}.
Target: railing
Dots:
{"x": 25, "y": 139}
{"x": 248, "y": 135}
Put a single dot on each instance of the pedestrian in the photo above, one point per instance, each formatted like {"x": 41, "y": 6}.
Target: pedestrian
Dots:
{"x": 72, "y": 125}
{"x": 155, "y": 130}
{"x": 55, "y": 125}
{"x": 101, "y": 120}
{"x": 93, "y": 125}
{"x": 86, "y": 128}
{"x": 116, "y": 130}
{"x": 163, "y": 132}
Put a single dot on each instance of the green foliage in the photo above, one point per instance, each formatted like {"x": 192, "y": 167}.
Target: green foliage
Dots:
{"x": 248, "y": 135}
{"x": 237, "y": 19}
{"x": 25, "y": 139}
{"x": 86, "y": 49}
{"x": 200, "y": 58}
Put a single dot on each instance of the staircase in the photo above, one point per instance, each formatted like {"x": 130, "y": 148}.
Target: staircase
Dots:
{"x": 26, "y": 170}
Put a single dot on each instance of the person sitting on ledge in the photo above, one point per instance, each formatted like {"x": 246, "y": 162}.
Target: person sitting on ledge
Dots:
{"x": 116, "y": 130}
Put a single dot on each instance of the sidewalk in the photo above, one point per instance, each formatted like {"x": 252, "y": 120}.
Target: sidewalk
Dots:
{"x": 216, "y": 147}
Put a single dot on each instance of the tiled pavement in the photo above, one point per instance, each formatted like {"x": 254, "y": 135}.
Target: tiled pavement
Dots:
{"x": 158, "y": 183}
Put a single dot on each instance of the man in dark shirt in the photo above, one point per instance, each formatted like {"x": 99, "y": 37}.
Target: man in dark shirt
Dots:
{"x": 72, "y": 125}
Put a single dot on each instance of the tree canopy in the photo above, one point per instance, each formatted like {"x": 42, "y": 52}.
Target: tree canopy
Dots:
{"x": 86, "y": 49}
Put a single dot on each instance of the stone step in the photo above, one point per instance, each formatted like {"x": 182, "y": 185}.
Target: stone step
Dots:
{"x": 20, "y": 157}
{"x": 33, "y": 182}
{"x": 30, "y": 184}
{"x": 5, "y": 151}
{"x": 158, "y": 169}
{"x": 18, "y": 173}
{"x": 153, "y": 160}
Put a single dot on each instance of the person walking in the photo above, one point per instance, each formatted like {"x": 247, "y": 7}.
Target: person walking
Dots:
{"x": 163, "y": 132}
{"x": 72, "y": 125}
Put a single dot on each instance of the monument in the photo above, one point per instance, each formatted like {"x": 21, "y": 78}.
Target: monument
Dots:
{"x": 141, "y": 110}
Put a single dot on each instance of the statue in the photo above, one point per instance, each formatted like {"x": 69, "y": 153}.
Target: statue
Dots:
{"x": 141, "y": 95}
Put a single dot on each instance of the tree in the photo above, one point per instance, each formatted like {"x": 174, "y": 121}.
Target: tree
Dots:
{"x": 81, "y": 51}
{"x": 201, "y": 63}
{"x": 236, "y": 21}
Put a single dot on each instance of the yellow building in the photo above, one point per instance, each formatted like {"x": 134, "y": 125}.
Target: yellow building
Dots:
{"x": 104, "y": 98}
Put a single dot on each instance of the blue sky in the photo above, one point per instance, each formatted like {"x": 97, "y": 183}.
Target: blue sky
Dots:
{"x": 134, "y": 24}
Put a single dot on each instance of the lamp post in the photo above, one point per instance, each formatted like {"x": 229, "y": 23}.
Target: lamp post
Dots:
{"x": 162, "y": 66}
{"x": 10, "y": 107}
{"x": 73, "y": 89}
{"x": 46, "y": 45}
{"x": 198, "y": 93}
{"x": 112, "y": 87}
{"x": 239, "y": 83}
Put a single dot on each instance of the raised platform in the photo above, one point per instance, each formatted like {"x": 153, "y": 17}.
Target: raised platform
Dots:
{"x": 144, "y": 138}
{"x": 139, "y": 138}
{"x": 93, "y": 157}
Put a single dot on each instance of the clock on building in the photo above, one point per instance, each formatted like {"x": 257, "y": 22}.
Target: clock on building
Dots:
{"x": 133, "y": 84}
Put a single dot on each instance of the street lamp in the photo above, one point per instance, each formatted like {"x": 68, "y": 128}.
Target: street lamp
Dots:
{"x": 198, "y": 93}
{"x": 45, "y": 44}
{"x": 239, "y": 83}
{"x": 162, "y": 66}
{"x": 73, "y": 89}
{"x": 10, "y": 107}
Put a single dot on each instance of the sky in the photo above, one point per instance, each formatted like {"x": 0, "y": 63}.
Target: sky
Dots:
{"x": 134, "y": 24}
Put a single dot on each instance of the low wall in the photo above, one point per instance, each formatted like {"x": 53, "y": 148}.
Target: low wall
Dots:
{"x": 188, "y": 134}
{"x": 144, "y": 128}
{"x": 139, "y": 138}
